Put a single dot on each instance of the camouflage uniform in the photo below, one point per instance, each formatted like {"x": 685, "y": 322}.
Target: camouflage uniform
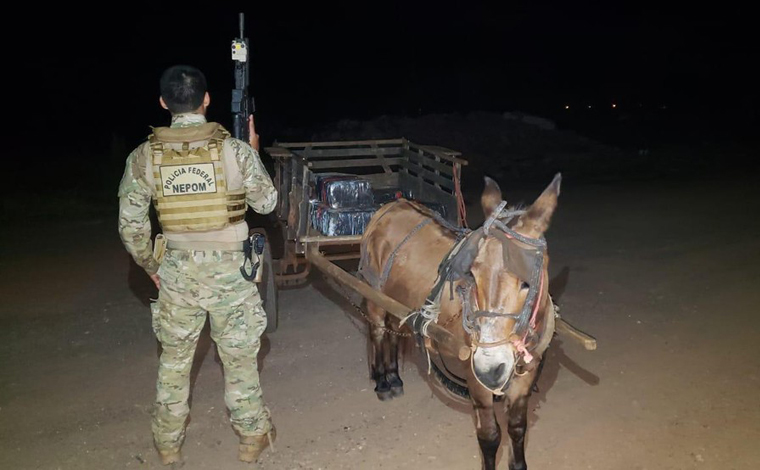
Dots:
{"x": 194, "y": 283}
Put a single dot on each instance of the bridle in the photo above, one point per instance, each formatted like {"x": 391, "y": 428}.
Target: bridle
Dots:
{"x": 526, "y": 263}
{"x": 523, "y": 258}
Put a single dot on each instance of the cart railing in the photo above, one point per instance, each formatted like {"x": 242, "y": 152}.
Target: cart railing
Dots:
{"x": 429, "y": 172}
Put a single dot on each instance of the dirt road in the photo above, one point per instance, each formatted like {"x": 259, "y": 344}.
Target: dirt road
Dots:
{"x": 664, "y": 274}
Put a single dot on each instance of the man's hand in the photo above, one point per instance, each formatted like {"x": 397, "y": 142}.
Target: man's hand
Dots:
{"x": 156, "y": 280}
{"x": 254, "y": 137}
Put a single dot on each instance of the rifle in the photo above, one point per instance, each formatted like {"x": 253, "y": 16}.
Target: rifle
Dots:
{"x": 243, "y": 105}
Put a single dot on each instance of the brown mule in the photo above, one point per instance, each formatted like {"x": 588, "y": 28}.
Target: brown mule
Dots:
{"x": 494, "y": 296}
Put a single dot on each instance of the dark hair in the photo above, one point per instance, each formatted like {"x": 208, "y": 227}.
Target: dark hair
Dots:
{"x": 183, "y": 88}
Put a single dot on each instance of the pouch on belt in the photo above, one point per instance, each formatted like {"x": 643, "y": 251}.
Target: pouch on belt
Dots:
{"x": 159, "y": 247}
{"x": 253, "y": 248}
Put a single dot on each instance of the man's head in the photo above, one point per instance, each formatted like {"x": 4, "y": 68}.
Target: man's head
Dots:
{"x": 183, "y": 90}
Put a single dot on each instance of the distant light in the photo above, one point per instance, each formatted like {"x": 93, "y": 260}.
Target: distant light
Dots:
{"x": 589, "y": 106}
{"x": 567, "y": 106}
{"x": 614, "y": 105}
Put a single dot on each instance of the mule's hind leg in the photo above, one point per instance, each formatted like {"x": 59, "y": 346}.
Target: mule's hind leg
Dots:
{"x": 391, "y": 370}
{"x": 379, "y": 340}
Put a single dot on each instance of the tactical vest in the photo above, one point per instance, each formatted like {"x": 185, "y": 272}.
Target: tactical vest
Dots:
{"x": 191, "y": 191}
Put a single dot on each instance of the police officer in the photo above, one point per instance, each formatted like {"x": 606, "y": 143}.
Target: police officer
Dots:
{"x": 200, "y": 180}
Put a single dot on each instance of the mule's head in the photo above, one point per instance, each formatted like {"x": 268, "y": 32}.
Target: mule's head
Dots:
{"x": 498, "y": 288}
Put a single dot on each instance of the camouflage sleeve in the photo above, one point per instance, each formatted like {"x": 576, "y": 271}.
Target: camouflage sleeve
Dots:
{"x": 260, "y": 193}
{"x": 134, "y": 213}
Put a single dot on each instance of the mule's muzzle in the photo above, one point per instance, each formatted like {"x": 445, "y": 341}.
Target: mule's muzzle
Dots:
{"x": 494, "y": 378}
{"x": 493, "y": 367}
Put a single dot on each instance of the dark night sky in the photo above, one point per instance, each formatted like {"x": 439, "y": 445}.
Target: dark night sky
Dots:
{"x": 98, "y": 70}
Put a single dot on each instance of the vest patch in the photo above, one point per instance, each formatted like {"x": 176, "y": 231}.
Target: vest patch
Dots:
{"x": 181, "y": 180}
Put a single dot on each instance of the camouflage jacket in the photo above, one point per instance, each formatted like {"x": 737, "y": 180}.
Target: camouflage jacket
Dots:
{"x": 136, "y": 192}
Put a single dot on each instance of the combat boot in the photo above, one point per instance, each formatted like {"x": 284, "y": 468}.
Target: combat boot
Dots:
{"x": 170, "y": 456}
{"x": 252, "y": 446}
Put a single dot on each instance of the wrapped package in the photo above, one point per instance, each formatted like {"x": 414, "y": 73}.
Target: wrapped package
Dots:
{"x": 346, "y": 221}
{"x": 339, "y": 190}
{"x": 386, "y": 195}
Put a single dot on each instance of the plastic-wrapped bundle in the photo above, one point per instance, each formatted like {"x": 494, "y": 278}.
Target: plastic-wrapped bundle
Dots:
{"x": 339, "y": 190}
{"x": 333, "y": 222}
{"x": 383, "y": 196}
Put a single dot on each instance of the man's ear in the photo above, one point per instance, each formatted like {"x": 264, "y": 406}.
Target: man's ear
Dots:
{"x": 163, "y": 103}
{"x": 206, "y": 100}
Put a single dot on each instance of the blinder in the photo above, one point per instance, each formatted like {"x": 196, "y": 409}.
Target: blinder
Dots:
{"x": 524, "y": 258}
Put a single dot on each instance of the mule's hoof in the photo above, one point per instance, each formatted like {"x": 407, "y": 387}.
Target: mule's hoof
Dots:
{"x": 396, "y": 384}
{"x": 383, "y": 390}
{"x": 170, "y": 457}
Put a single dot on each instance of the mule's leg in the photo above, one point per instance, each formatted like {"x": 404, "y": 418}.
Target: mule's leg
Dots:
{"x": 517, "y": 414}
{"x": 391, "y": 369}
{"x": 378, "y": 338}
{"x": 516, "y": 426}
{"x": 488, "y": 431}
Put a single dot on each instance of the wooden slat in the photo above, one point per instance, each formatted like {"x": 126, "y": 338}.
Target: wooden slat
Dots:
{"x": 383, "y": 180}
{"x": 440, "y": 150}
{"x": 347, "y": 143}
{"x": 427, "y": 161}
{"x": 358, "y": 162}
{"x": 278, "y": 152}
{"x": 564, "y": 328}
{"x": 349, "y": 152}
{"x": 386, "y": 168}
{"x": 445, "y": 154}
{"x": 342, "y": 256}
{"x": 428, "y": 175}
{"x": 327, "y": 240}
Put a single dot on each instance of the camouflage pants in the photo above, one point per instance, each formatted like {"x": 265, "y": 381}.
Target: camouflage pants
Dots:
{"x": 192, "y": 284}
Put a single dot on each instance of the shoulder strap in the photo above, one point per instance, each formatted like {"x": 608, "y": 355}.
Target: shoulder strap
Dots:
{"x": 187, "y": 134}
{"x": 156, "y": 148}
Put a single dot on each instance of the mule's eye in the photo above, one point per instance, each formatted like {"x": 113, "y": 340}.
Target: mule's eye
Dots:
{"x": 524, "y": 285}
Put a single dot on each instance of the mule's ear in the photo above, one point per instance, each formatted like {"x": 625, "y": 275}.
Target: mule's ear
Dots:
{"x": 536, "y": 219}
{"x": 491, "y": 197}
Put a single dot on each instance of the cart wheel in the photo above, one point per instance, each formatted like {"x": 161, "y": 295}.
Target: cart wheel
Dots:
{"x": 268, "y": 290}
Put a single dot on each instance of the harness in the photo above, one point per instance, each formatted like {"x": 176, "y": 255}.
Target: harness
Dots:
{"x": 370, "y": 276}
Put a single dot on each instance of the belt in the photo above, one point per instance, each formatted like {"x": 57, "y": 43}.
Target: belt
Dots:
{"x": 205, "y": 246}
